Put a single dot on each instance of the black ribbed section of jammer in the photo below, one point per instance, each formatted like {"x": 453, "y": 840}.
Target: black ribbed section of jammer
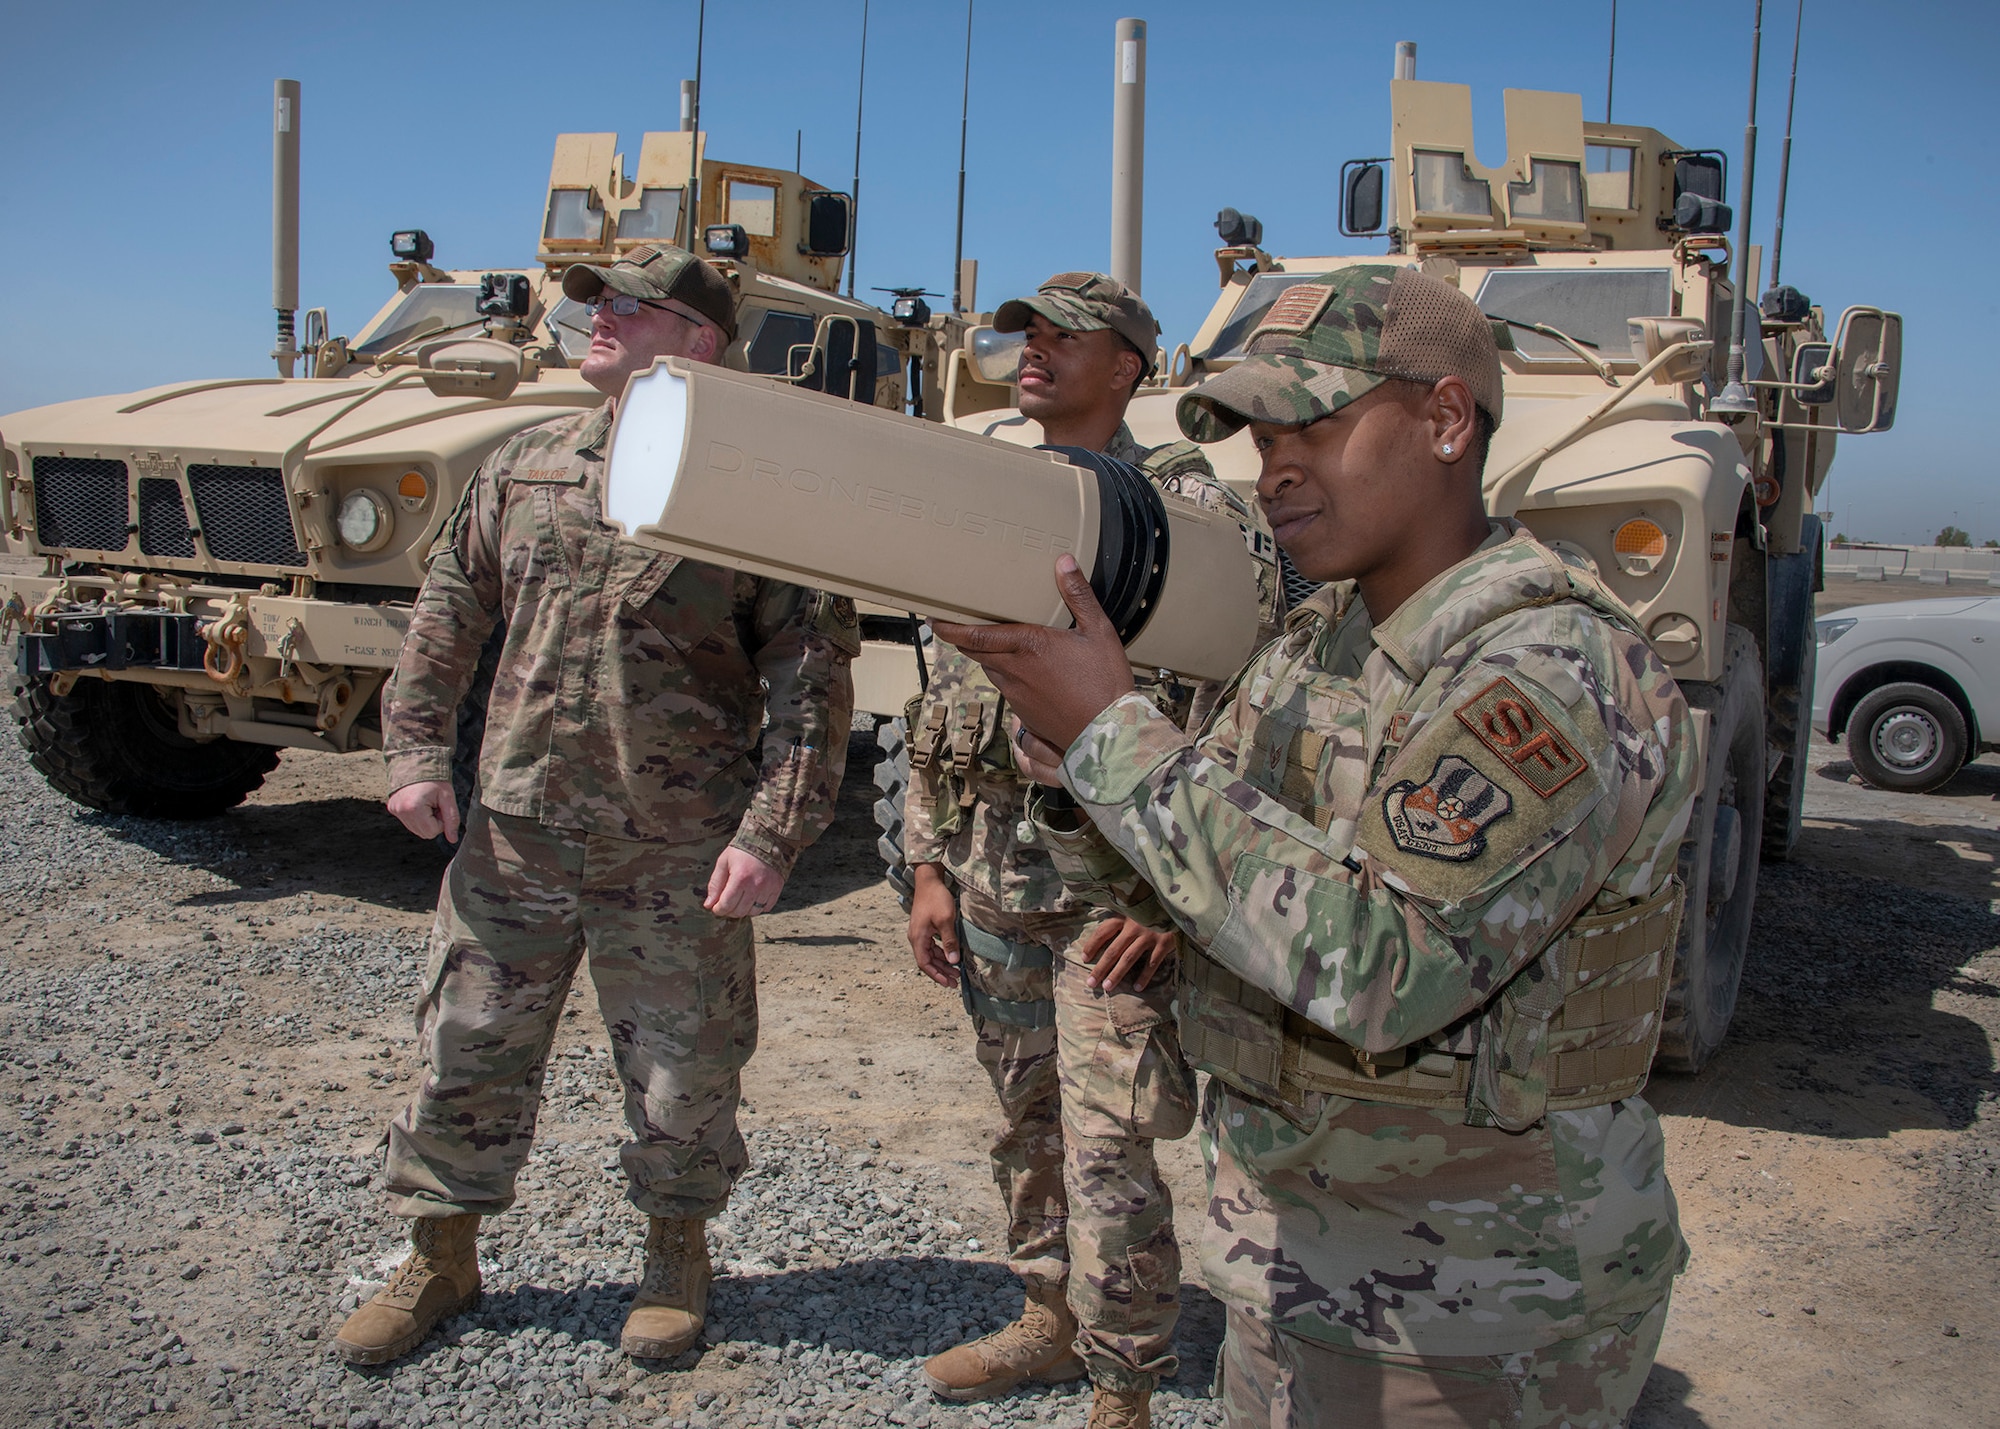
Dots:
{"x": 1130, "y": 565}
{"x": 245, "y": 514}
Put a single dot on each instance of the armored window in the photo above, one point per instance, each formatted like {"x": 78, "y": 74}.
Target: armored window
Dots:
{"x": 1250, "y": 309}
{"x": 1553, "y": 193}
{"x": 755, "y": 206}
{"x": 430, "y": 308}
{"x": 657, "y": 217}
{"x": 1607, "y": 176}
{"x": 573, "y": 218}
{"x": 569, "y": 324}
{"x": 777, "y": 335}
{"x": 1446, "y": 185}
{"x": 1589, "y": 304}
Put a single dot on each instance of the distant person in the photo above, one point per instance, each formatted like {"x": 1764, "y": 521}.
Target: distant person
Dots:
{"x": 1072, "y": 1006}
{"x": 1424, "y": 861}
{"x": 663, "y": 738}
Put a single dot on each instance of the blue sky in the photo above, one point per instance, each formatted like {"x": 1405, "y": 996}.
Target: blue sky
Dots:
{"x": 135, "y": 156}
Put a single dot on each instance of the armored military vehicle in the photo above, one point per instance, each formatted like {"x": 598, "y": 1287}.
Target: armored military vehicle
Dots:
{"x": 1599, "y": 252}
{"x": 227, "y": 566}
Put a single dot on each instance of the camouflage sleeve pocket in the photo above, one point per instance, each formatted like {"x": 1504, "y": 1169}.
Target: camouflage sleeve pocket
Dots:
{"x": 1503, "y": 772}
{"x": 834, "y": 618}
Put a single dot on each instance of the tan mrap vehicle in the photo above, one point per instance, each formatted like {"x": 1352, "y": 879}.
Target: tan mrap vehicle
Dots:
{"x": 1597, "y": 249}
{"x": 227, "y": 567}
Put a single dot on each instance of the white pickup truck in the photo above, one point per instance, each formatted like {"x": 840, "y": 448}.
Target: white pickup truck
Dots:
{"x": 1913, "y": 684}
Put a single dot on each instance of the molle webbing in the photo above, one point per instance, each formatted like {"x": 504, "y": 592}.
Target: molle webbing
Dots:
{"x": 1577, "y": 1028}
{"x": 1617, "y": 967}
{"x": 1008, "y": 956}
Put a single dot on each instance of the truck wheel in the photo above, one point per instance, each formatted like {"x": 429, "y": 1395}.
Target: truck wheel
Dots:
{"x": 117, "y": 747}
{"x": 1790, "y": 717}
{"x": 1906, "y": 737}
{"x": 1790, "y": 711}
{"x": 892, "y": 777}
{"x": 1719, "y": 861}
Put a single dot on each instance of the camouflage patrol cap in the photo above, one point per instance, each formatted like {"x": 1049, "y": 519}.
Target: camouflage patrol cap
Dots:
{"x": 1339, "y": 336}
{"x": 1086, "y": 302}
{"x": 660, "y": 272}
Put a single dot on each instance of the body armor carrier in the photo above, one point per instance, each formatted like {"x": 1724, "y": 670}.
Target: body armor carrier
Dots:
{"x": 1576, "y": 1027}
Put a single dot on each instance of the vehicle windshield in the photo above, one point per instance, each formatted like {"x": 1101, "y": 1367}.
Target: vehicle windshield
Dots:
{"x": 1591, "y": 305}
{"x": 431, "y": 307}
{"x": 569, "y": 324}
{"x": 1250, "y": 309}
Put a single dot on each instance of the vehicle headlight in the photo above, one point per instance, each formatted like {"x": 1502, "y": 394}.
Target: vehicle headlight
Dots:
{"x": 364, "y": 521}
{"x": 1831, "y": 630}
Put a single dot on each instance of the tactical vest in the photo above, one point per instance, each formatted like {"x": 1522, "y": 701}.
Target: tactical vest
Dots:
{"x": 1576, "y": 1027}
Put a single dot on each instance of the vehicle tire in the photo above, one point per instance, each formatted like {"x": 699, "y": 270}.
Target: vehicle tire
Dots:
{"x": 1906, "y": 737}
{"x": 1790, "y": 731}
{"x": 892, "y": 777}
{"x": 1719, "y": 861}
{"x": 117, "y": 747}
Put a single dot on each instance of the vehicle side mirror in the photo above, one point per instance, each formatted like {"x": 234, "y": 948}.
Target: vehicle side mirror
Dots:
{"x": 828, "y": 219}
{"x": 470, "y": 367}
{"x": 1868, "y": 369}
{"x": 1361, "y": 188}
{"x": 1813, "y": 374}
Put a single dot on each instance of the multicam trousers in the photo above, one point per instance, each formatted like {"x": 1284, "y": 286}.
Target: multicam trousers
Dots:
{"x": 520, "y": 906}
{"x": 1275, "y": 1380}
{"x": 1087, "y": 1082}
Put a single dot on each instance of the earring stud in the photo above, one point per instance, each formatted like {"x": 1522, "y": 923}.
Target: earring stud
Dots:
{"x": 1447, "y": 448}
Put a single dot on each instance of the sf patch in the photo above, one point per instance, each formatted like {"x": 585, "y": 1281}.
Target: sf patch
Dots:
{"x": 1508, "y": 723}
{"x": 1447, "y": 815}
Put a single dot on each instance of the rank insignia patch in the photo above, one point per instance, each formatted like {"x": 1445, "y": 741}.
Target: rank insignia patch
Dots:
{"x": 1507, "y": 722}
{"x": 1446, "y": 816}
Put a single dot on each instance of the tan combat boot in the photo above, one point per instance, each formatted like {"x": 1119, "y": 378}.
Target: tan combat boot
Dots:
{"x": 440, "y": 1278}
{"x": 1121, "y": 1409}
{"x": 1036, "y": 1346}
{"x": 672, "y": 1303}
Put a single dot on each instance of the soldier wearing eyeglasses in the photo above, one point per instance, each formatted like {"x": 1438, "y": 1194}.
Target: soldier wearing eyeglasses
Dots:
{"x": 663, "y": 738}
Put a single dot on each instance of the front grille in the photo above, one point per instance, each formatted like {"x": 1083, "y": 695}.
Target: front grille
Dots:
{"x": 245, "y": 514}
{"x": 81, "y": 503}
{"x": 163, "y": 521}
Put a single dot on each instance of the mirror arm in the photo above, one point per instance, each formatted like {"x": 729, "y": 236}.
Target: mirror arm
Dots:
{"x": 1504, "y": 496}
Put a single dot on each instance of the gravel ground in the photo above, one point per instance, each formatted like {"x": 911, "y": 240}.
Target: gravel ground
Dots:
{"x": 203, "y": 1029}
{"x": 201, "y": 1044}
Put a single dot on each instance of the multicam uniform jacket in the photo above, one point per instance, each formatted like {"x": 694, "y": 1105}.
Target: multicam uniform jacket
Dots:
{"x": 1428, "y": 854}
{"x": 967, "y": 804}
{"x": 639, "y": 695}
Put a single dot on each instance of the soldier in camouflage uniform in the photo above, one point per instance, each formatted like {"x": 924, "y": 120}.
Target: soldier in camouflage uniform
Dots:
{"x": 663, "y": 738}
{"x": 1088, "y": 1071}
{"x": 1426, "y": 851}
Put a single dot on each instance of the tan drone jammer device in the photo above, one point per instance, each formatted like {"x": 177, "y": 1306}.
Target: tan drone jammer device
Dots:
{"x": 741, "y": 471}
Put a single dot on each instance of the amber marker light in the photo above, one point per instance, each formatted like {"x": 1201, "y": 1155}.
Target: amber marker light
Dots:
{"x": 1639, "y": 545}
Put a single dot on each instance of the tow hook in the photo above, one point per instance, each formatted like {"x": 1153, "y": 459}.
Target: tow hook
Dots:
{"x": 226, "y": 637}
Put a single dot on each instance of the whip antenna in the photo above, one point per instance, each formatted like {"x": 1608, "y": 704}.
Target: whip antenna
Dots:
{"x": 1785, "y": 157}
{"x": 958, "y": 239}
{"x": 860, "y": 92}
{"x": 694, "y": 127}
{"x": 1735, "y": 397}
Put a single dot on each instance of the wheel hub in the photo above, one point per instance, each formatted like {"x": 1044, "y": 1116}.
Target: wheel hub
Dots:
{"x": 1908, "y": 740}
